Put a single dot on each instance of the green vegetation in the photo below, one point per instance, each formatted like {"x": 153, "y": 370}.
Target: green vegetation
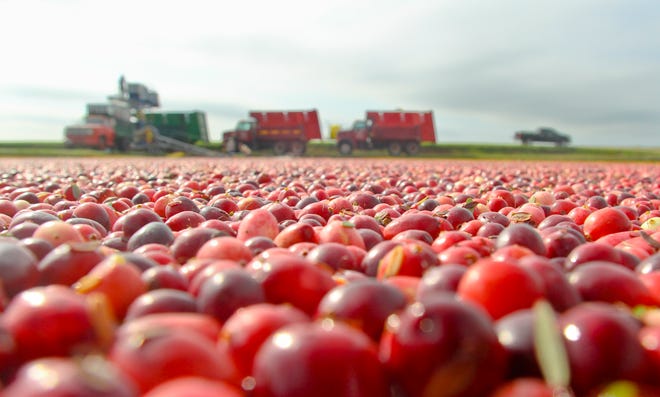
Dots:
{"x": 328, "y": 149}
{"x": 506, "y": 152}
{"x": 541, "y": 152}
{"x": 43, "y": 149}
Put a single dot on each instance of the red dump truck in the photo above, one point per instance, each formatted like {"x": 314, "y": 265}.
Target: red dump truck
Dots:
{"x": 97, "y": 134}
{"x": 282, "y": 131}
{"x": 398, "y": 131}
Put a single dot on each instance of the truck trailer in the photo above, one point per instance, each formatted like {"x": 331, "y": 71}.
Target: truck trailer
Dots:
{"x": 281, "y": 131}
{"x": 397, "y": 131}
{"x": 190, "y": 127}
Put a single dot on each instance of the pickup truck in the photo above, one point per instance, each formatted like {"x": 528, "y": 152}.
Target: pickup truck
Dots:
{"x": 542, "y": 134}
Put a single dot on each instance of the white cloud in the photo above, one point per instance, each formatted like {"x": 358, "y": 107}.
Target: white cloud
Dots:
{"x": 486, "y": 68}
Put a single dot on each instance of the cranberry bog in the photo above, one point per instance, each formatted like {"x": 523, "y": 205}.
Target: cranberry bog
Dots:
{"x": 334, "y": 277}
{"x": 328, "y": 148}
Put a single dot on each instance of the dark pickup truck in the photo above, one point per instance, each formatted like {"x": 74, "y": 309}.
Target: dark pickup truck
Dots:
{"x": 542, "y": 135}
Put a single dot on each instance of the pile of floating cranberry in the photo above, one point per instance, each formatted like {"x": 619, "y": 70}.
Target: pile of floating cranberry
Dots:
{"x": 319, "y": 277}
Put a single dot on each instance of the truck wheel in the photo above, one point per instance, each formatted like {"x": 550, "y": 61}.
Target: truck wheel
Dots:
{"x": 525, "y": 142}
{"x": 279, "y": 148}
{"x": 412, "y": 148}
{"x": 298, "y": 148}
{"x": 394, "y": 148}
{"x": 345, "y": 148}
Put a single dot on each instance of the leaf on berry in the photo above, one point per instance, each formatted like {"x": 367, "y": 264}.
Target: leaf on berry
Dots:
{"x": 75, "y": 191}
{"x": 470, "y": 204}
{"x": 383, "y": 218}
{"x": 650, "y": 240}
{"x": 549, "y": 346}
{"x": 520, "y": 217}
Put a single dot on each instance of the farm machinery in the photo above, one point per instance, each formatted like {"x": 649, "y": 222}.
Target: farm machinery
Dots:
{"x": 130, "y": 119}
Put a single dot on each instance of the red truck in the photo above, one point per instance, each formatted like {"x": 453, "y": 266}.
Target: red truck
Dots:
{"x": 97, "y": 136}
{"x": 96, "y": 132}
{"x": 398, "y": 131}
{"x": 281, "y": 131}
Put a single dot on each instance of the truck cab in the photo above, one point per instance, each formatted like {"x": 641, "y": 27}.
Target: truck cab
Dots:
{"x": 245, "y": 128}
{"x": 242, "y": 134}
{"x": 550, "y": 134}
{"x": 356, "y": 137}
{"x": 542, "y": 134}
{"x": 96, "y": 136}
{"x": 362, "y": 129}
{"x": 106, "y": 125}
{"x": 96, "y": 131}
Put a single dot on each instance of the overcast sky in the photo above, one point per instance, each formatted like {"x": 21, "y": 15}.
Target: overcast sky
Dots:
{"x": 590, "y": 68}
